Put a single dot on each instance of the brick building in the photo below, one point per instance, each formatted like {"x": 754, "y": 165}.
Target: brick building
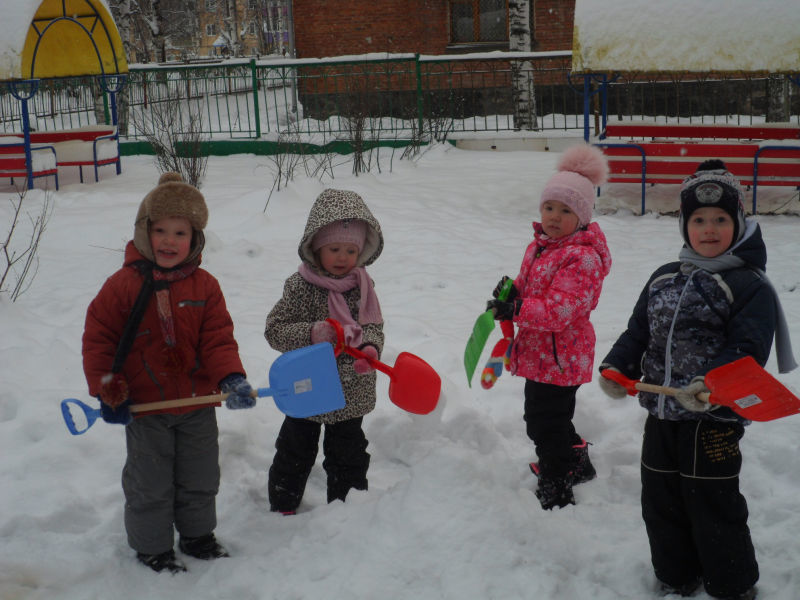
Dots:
{"x": 429, "y": 27}
{"x": 324, "y": 28}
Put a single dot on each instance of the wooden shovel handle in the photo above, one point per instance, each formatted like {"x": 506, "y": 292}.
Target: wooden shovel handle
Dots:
{"x": 633, "y": 385}
{"x": 669, "y": 391}
{"x": 210, "y": 399}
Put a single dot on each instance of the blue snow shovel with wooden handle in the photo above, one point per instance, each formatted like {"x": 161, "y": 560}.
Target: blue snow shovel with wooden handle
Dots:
{"x": 303, "y": 383}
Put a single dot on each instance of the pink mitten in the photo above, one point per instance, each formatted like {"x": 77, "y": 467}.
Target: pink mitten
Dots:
{"x": 361, "y": 365}
{"x": 323, "y": 331}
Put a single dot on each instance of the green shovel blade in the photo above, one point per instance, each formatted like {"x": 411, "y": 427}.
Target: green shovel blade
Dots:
{"x": 484, "y": 325}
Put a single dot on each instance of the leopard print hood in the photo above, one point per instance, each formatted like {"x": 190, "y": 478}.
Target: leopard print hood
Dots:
{"x": 334, "y": 205}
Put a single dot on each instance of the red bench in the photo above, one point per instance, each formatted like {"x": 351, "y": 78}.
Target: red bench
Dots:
{"x": 13, "y": 162}
{"x": 640, "y": 152}
{"x": 89, "y": 146}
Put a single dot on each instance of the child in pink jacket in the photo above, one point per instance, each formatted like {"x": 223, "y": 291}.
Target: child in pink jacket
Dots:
{"x": 557, "y": 287}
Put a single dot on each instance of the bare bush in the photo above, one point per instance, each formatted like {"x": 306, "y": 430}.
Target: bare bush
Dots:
{"x": 20, "y": 261}
{"x": 174, "y": 129}
{"x": 290, "y": 153}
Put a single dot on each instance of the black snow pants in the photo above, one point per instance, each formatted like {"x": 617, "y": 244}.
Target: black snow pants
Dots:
{"x": 695, "y": 516}
{"x": 548, "y": 416}
{"x": 346, "y": 460}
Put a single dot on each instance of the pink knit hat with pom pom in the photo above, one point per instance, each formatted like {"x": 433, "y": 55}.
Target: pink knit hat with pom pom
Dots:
{"x": 581, "y": 169}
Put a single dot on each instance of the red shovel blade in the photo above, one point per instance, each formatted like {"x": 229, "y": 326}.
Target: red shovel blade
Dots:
{"x": 746, "y": 388}
{"x": 414, "y": 385}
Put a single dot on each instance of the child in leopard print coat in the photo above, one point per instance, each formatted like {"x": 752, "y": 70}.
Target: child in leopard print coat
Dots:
{"x": 340, "y": 239}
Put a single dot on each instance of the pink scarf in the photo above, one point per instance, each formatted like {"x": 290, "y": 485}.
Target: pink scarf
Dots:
{"x": 369, "y": 310}
{"x": 162, "y": 280}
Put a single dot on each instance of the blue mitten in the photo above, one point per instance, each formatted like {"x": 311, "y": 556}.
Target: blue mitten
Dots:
{"x": 121, "y": 415}
{"x": 239, "y": 390}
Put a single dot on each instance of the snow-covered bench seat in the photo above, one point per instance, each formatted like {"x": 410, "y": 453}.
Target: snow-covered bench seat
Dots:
{"x": 92, "y": 145}
{"x": 14, "y": 164}
{"x": 642, "y": 152}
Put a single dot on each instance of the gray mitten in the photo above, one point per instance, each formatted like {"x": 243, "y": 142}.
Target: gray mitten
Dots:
{"x": 611, "y": 388}
{"x": 687, "y": 395}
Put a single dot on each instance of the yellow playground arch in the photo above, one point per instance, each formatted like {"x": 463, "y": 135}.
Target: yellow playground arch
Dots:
{"x": 53, "y": 39}
{"x": 44, "y": 39}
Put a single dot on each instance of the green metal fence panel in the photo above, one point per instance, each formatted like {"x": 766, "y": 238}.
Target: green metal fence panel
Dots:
{"x": 375, "y": 98}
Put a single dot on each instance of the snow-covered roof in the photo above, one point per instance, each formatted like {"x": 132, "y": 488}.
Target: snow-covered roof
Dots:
{"x": 65, "y": 48}
{"x": 686, "y": 35}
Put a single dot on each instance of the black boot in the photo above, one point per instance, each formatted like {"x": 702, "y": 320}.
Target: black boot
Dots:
{"x": 683, "y": 590}
{"x": 205, "y": 547}
{"x": 159, "y": 562}
{"x": 584, "y": 469}
{"x": 746, "y": 595}
{"x": 555, "y": 491}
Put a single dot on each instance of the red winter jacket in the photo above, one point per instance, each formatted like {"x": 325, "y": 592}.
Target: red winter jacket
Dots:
{"x": 559, "y": 284}
{"x": 203, "y": 329}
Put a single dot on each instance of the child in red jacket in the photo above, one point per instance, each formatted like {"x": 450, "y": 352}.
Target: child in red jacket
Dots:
{"x": 159, "y": 330}
{"x": 557, "y": 288}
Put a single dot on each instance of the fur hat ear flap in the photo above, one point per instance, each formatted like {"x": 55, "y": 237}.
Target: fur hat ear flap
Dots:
{"x": 172, "y": 197}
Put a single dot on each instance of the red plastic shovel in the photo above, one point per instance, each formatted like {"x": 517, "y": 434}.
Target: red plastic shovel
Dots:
{"x": 742, "y": 385}
{"x": 414, "y": 385}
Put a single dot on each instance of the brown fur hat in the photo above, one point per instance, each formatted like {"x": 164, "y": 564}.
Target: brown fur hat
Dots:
{"x": 172, "y": 197}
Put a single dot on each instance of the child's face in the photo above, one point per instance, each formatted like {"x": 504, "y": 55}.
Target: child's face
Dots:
{"x": 338, "y": 259}
{"x": 558, "y": 219}
{"x": 710, "y": 231}
{"x": 171, "y": 240}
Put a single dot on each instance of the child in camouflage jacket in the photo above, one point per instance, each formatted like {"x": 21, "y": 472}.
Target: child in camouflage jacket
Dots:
{"x": 710, "y": 308}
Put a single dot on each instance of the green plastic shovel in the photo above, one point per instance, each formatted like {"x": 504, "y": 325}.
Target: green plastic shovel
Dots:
{"x": 484, "y": 325}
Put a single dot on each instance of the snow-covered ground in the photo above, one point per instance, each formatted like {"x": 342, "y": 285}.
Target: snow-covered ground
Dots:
{"x": 450, "y": 513}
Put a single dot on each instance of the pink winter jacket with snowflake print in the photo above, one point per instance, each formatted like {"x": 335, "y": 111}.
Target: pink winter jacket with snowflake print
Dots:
{"x": 559, "y": 284}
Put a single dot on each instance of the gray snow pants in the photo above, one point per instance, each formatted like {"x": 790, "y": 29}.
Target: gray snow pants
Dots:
{"x": 171, "y": 478}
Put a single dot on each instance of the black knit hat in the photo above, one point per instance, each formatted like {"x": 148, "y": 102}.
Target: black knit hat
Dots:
{"x": 712, "y": 185}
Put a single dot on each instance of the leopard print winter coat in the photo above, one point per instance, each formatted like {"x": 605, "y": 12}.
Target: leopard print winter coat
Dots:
{"x": 289, "y": 323}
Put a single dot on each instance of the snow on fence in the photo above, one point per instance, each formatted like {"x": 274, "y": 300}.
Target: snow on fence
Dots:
{"x": 386, "y": 95}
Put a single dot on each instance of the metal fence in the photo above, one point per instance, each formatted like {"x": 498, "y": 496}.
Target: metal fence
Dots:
{"x": 386, "y": 96}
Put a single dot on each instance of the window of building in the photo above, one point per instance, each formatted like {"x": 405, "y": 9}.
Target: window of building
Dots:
{"x": 252, "y": 28}
{"x": 211, "y": 29}
{"x": 211, "y": 5}
{"x": 252, "y": 4}
{"x": 474, "y": 21}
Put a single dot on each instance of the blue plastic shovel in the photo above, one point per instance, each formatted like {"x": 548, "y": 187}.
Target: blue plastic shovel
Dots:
{"x": 303, "y": 383}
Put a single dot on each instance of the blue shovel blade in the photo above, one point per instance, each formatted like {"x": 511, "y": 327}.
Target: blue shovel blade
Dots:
{"x": 305, "y": 382}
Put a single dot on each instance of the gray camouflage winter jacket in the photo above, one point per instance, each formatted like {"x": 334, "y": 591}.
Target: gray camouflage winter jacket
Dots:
{"x": 718, "y": 318}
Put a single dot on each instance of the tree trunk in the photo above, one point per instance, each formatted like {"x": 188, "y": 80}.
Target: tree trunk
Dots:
{"x": 522, "y": 84}
{"x": 777, "y": 99}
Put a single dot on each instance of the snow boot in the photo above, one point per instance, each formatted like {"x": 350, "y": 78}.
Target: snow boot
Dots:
{"x": 746, "y": 595}
{"x": 205, "y": 547}
{"x": 582, "y": 471}
{"x": 683, "y": 590}
{"x": 159, "y": 562}
{"x": 555, "y": 491}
